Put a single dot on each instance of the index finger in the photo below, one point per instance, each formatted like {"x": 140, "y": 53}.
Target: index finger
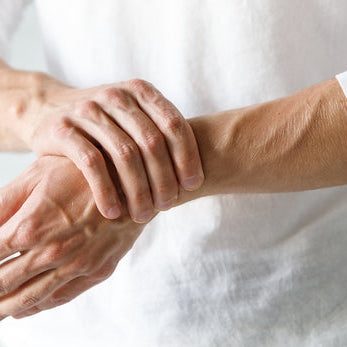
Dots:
{"x": 14, "y": 194}
{"x": 8, "y": 238}
{"x": 71, "y": 290}
{"x": 32, "y": 293}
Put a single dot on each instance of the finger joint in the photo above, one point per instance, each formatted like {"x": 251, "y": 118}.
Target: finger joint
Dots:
{"x": 90, "y": 158}
{"x": 116, "y": 97}
{"x": 143, "y": 88}
{"x": 153, "y": 143}
{"x": 86, "y": 107}
{"x": 27, "y": 301}
{"x": 126, "y": 152}
{"x": 175, "y": 126}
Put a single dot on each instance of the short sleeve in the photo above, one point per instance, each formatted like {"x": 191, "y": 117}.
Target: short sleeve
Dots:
{"x": 342, "y": 78}
{"x": 10, "y": 14}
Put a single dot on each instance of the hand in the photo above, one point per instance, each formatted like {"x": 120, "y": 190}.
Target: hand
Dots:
{"x": 48, "y": 215}
{"x": 150, "y": 143}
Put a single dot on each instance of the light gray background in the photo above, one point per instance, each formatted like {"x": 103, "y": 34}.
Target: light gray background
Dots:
{"x": 26, "y": 53}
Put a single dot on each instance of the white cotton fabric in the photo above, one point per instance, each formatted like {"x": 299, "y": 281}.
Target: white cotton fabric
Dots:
{"x": 342, "y": 78}
{"x": 231, "y": 270}
{"x": 10, "y": 11}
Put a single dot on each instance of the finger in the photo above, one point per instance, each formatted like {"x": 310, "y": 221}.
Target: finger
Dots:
{"x": 9, "y": 232}
{"x": 90, "y": 161}
{"x": 125, "y": 155}
{"x": 61, "y": 297}
{"x": 19, "y": 270}
{"x": 13, "y": 195}
{"x": 27, "y": 313}
{"x": 12, "y": 198}
{"x": 27, "y": 227}
{"x": 124, "y": 110}
{"x": 32, "y": 293}
{"x": 71, "y": 290}
{"x": 176, "y": 130}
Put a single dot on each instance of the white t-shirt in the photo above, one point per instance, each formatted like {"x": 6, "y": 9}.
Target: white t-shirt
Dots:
{"x": 232, "y": 270}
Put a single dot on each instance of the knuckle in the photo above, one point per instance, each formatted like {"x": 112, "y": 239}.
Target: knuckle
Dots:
{"x": 164, "y": 106}
{"x": 175, "y": 125}
{"x": 26, "y": 232}
{"x": 153, "y": 142}
{"x": 139, "y": 84}
{"x": 104, "y": 273}
{"x": 3, "y": 287}
{"x": 116, "y": 96}
{"x": 144, "y": 88}
{"x": 17, "y": 110}
{"x": 62, "y": 127}
{"x": 126, "y": 151}
{"x": 107, "y": 94}
{"x": 86, "y": 107}
{"x": 26, "y": 301}
{"x": 90, "y": 158}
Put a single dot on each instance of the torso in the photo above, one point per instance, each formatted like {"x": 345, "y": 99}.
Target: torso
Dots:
{"x": 237, "y": 270}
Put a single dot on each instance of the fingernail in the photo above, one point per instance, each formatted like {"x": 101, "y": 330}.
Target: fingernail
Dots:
{"x": 144, "y": 217}
{"x": 19, "y": 316}
{"x": 167, "y": 204}
{"x": 113, "y": 212}
{"x": 192, "y": 182}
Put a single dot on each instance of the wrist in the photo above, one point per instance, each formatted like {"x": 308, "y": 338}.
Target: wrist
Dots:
{"x": 28, "y": 94}
{"x": 290, "y": 144}
{"x": 211, "y": 133}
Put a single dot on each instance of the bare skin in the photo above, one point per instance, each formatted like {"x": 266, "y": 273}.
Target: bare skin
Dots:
{"x": 62, "y": 237}
{"x": 290, "y": 144}
{"x": 145, "y": 136}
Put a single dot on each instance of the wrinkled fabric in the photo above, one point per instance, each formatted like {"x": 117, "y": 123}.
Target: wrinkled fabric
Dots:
{"x": 230, "y": 270}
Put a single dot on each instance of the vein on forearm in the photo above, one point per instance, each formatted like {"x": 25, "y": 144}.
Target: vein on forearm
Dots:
{"x": 290, "y": 144}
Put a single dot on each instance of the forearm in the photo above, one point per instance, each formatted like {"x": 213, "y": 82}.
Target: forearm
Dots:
{"x": 294, "y": 143}
{"x": 21, "y": 92}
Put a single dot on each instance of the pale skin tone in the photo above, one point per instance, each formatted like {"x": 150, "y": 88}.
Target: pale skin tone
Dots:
{"x": 295, "y": 143}
{"x": 149, "y": 142}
